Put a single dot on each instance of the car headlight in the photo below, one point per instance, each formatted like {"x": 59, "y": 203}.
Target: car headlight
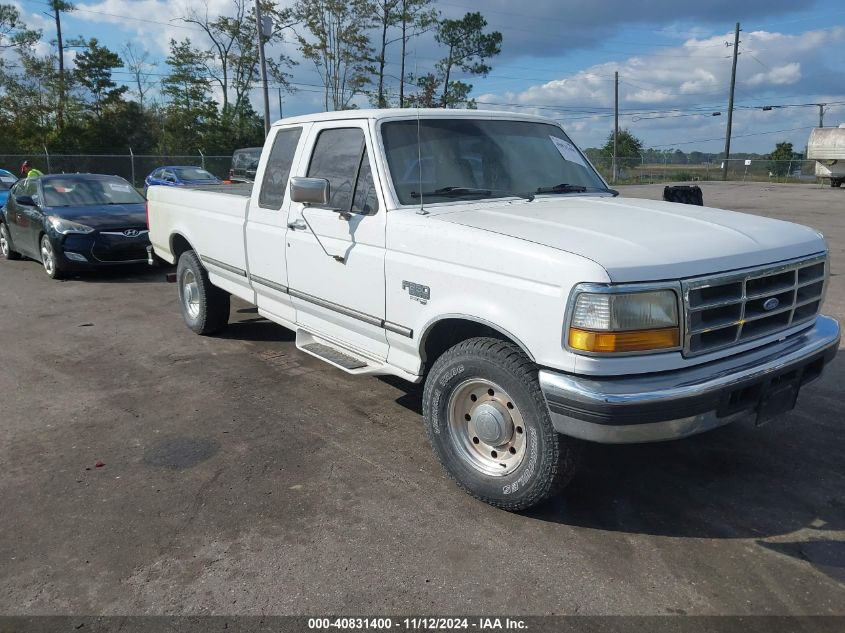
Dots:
{"x": 66, "y": 226}
{"x": 615, "y": 322}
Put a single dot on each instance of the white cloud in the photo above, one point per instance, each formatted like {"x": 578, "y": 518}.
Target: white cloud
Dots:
{"x": 695, "y": 76}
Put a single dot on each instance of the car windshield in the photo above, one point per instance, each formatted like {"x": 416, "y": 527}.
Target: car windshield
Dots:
{"x": 474, "y": 158}
{"x": 192, "y": 173}
{"x": 76, "y": 191}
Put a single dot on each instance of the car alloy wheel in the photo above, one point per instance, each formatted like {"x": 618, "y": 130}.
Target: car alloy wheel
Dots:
{"x": 48, "y": 256}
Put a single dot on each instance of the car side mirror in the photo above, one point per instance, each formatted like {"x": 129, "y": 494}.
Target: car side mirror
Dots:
{"x": 26, "y": 201}
{"x": 310, "y": 190}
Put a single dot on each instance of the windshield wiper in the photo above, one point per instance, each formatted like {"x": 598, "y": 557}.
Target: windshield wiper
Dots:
{"x": 468, "y": 192}
{"x": 565, "y": 187}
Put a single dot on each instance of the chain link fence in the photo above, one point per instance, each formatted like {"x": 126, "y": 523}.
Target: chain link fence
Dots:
{"x": 632, "y": 170}
{"x": 132, "y": 167}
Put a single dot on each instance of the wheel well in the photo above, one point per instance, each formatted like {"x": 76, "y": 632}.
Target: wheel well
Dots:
{"x": 449, "y": 332}
{"x": 179, "y": 245}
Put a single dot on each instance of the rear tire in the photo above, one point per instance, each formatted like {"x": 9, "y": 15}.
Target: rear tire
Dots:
{"x": 835, "y": 182}
{"x": 489, "y": 425}
{"x": 205, "y": 307}
{"x": 6, "y": 244}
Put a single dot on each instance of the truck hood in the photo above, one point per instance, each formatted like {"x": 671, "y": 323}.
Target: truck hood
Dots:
{"x": 642, "y": 240}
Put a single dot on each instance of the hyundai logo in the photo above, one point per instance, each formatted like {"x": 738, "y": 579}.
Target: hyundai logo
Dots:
{"x": 136, "y": 233}
{"x": 771, "y": 303}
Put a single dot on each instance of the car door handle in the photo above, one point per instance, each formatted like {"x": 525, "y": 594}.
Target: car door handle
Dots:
{"x": 297, "y": 224}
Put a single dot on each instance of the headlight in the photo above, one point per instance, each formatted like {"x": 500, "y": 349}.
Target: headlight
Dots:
{"x": 66, "y": 226}
{"x": 624, "y": 321}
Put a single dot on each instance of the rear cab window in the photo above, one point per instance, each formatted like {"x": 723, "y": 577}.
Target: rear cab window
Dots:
{"x": 277, "y": 172}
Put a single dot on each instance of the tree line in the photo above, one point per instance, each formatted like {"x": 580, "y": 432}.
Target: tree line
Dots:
{"x": 198, "y": 98}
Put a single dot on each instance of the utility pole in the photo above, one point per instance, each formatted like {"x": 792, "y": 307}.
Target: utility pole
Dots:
{"x": 615, "y": 125}
{"x": 731, "y": 105}
{"x": 263, "y": 61}
{"x": 821, "y": 113}
{"x": 58, "y": 6}
{"x": 281, "y": 115}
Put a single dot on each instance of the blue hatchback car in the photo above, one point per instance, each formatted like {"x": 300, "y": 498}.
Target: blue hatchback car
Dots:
{"x": 7, "y": 179}
{"x": 176, "y": 176}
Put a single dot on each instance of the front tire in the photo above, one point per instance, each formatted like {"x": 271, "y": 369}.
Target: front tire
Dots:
{"x": 205, "y": 307}
{"x": 489, "y": 425}
{"x": 50, "y": 259}
{"x": 6, "y": 244}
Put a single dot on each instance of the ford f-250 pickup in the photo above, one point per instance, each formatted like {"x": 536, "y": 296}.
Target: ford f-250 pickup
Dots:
{"x": 481, "y": 253}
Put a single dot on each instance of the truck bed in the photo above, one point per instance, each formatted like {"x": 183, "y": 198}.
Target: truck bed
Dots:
{"x": 214, "y": 217}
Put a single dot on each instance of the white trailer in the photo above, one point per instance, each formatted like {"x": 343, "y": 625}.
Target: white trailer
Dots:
{"x": 827, "y": 148}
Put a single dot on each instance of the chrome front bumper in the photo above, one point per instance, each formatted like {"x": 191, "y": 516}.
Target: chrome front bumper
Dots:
{"x": 671, "y": 405}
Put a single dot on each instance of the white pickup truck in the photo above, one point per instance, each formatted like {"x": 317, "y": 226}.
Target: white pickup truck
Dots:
{"x": 481, "y": 253}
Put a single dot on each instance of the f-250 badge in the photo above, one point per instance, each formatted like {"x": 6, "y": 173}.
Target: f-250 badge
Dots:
{"x": 418, "y": 292}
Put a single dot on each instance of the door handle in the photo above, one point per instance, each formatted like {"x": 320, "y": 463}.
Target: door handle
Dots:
{"x": 297, "y": 224}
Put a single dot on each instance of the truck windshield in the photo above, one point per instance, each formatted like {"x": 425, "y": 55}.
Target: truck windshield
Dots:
{"x": 498, "y": 158}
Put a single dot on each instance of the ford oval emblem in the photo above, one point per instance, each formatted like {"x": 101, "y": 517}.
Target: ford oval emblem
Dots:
{"x": 771, "y": 303}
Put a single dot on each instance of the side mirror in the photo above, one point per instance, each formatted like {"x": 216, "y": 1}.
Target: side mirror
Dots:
{"x": 26, "y": 201}
{"x": 310, "y": 190}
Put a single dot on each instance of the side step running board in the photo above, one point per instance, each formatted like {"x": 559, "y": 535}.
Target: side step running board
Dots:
{"x": 347, "y": 360}
{"x": 333, "y": 356}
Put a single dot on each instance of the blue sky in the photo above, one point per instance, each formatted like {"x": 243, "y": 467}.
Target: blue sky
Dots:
{"x": 559, "y": 57}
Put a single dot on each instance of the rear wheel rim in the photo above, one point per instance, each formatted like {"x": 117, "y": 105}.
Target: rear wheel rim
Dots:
{"x": 47, "y": 256}
{"x": 190, "y": 294}
{"x": 4, "y": 241}
{"x": 487, "y": 428}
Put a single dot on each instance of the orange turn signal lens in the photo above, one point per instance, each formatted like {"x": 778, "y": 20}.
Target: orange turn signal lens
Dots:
{"x": 632, "y": 341}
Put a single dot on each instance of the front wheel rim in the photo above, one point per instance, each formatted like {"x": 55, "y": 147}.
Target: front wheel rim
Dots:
{"x": 47, "y": 256}
{"x": 190, "y": 294}
{"x": 487, "y": 427}
{"x": 4, "y": 241}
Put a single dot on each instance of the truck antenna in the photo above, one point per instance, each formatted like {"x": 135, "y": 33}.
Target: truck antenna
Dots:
{"x": 421, "y": 210}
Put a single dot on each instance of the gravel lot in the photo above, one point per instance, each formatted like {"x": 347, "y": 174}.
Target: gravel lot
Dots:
{"x": 243, "y": 477}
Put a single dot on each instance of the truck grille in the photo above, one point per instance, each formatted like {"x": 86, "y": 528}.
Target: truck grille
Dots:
{"x": 734, "y": 308}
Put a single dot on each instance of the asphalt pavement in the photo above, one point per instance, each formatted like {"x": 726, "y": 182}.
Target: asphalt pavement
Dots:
{"x": 147, "y": 470}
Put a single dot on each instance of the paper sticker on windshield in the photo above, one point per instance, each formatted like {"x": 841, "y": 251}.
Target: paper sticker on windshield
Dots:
{"x": 118, "y": 187}
{"x": 9, "y": 179}
{"x": 567, "y": 150}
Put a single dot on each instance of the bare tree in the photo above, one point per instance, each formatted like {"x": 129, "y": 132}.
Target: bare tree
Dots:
{"x": 411, "y": 18}
{"x": 338, "y": 46}
{"x": 137, "y": 61}
{"x": 417, "y": 17}
{"x": 223, "y": 32}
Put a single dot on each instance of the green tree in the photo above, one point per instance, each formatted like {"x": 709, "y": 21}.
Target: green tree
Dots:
{"x": 469, "y": 47}
{"x": 93, "y": 72}
{"x": 189, "y": 111}
{"x": 780, "y": 159}
{"x": 629, "y": 149}
{"x": 338, "y": 46}
{"x": 13, "y": 32}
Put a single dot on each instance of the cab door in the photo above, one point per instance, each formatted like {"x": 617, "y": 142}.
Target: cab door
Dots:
{"x": 336, "y": 253}
{"x": 267, "y": 227}
{"x": 25, "y": 221}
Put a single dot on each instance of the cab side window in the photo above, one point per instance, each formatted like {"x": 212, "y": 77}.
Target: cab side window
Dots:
{"x": 278, "y": 168}
{"x": 340, "y": 156}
